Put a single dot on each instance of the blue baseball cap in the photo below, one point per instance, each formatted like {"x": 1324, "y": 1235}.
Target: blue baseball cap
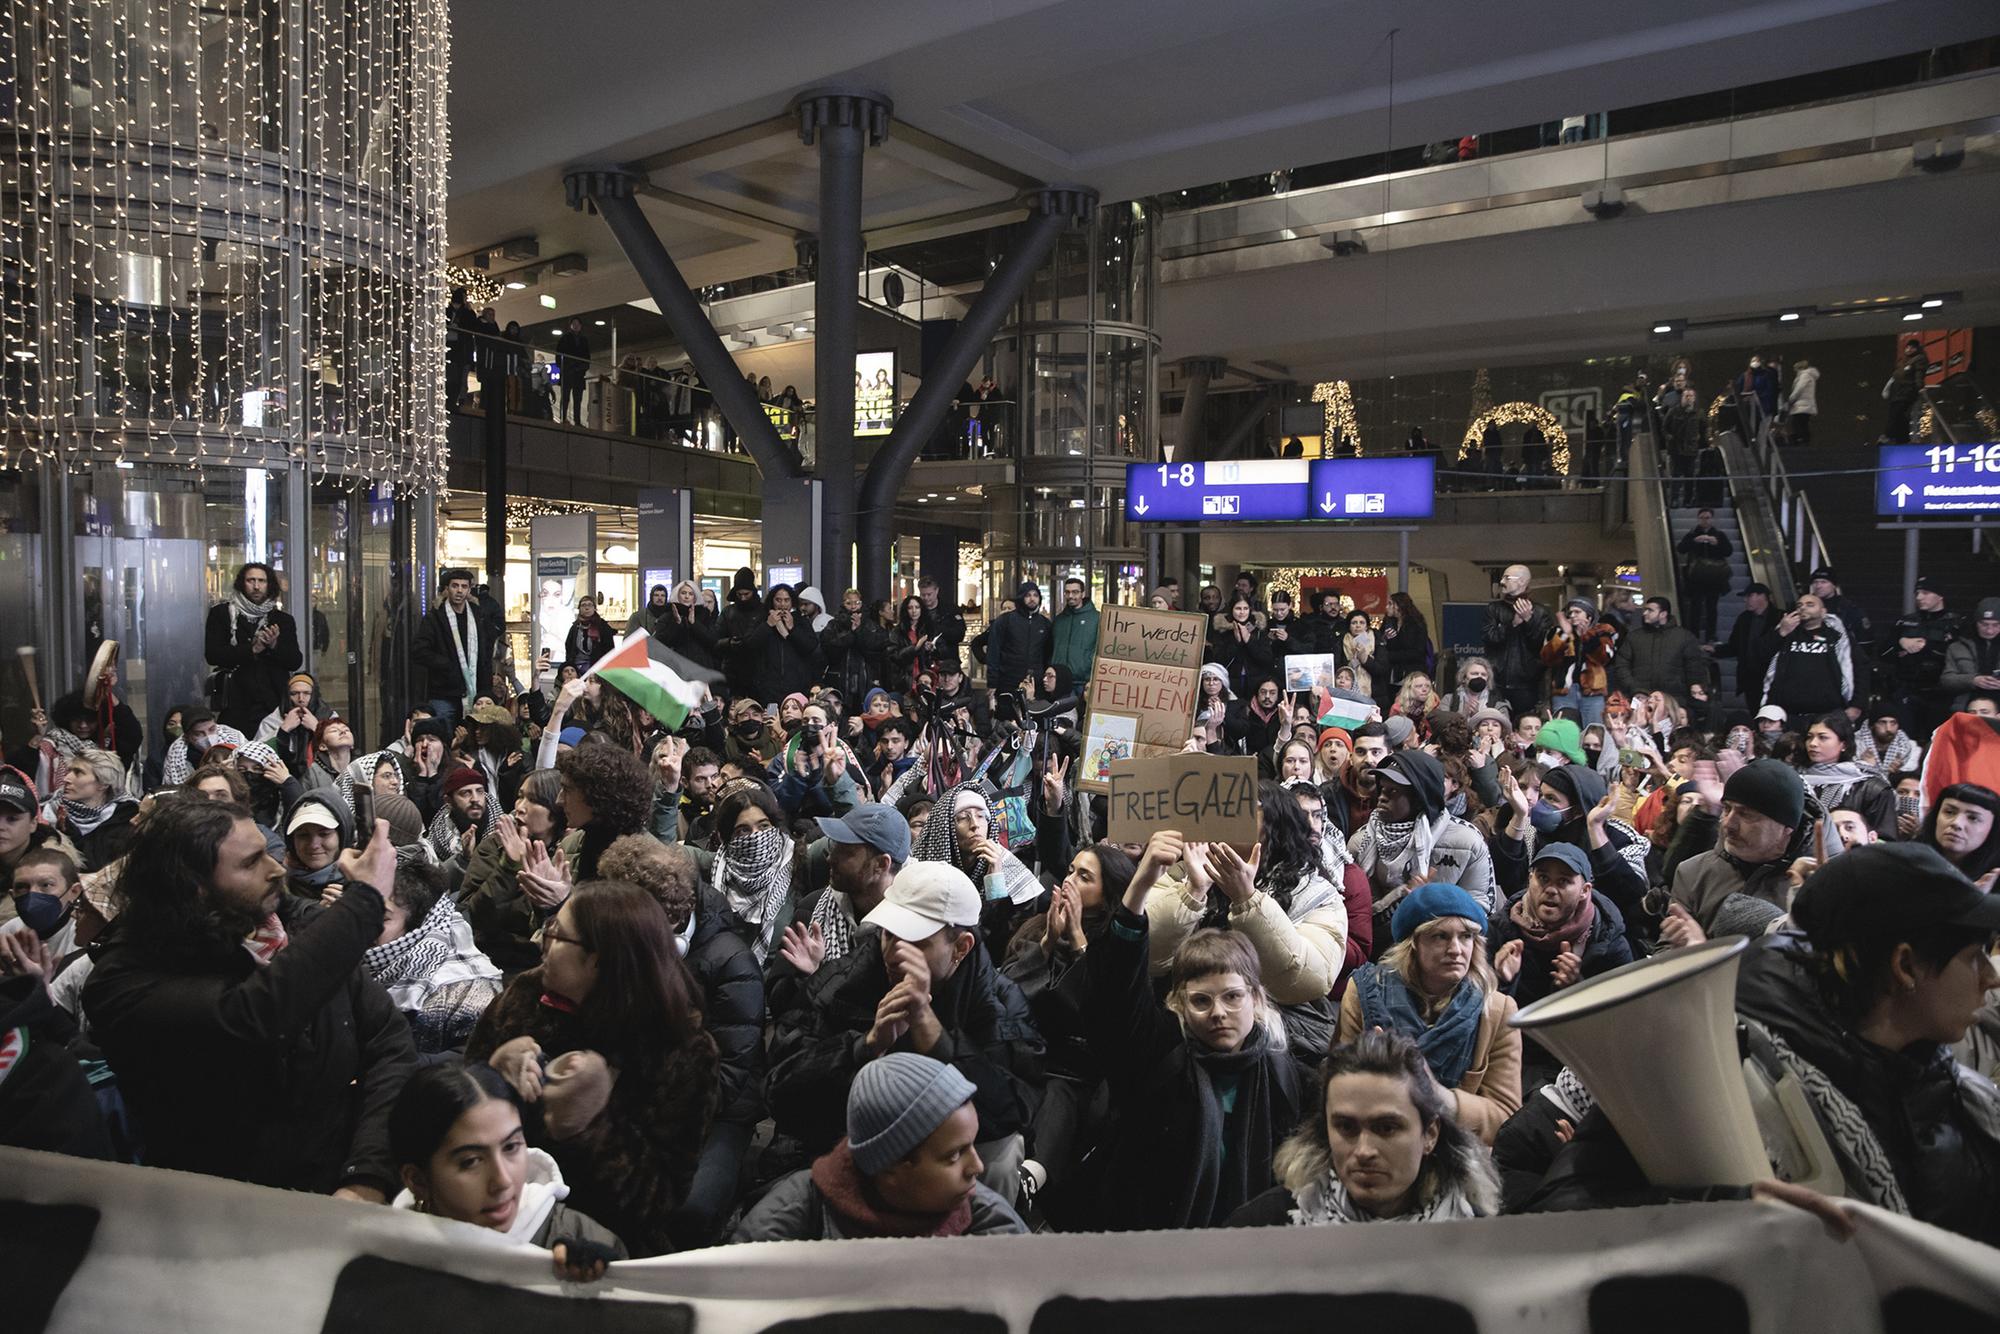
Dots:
{"x": 882, "y": 828}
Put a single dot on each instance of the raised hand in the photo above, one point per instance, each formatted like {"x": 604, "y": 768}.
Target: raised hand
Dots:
{"x": 1566, "y": 967}
{"x": 544, "y": 879}
{"x": 513, "y": 841}
{"x": 1236, "y": 877}
{"x": 374, "y": 864}
{"x": 1052, "y": 784}
{"x": 1515, "y": 795}
{"x": 667, "y": 764}
{"x": 23, "y": 953}
{"x": 1507, "y": 960}
{"x": 803, "y": 947}
{"x": 1707, "y": 783}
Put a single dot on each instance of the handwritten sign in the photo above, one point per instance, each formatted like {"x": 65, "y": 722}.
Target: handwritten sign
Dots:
{"x": 1209, "y": 798}
{"x": 1142, "y": 688}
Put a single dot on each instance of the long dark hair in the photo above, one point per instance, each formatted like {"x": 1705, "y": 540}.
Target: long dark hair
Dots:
{"x": 1842, "y": 729}
{"x": 1971, "y": 794}
{"x": 903, "y": 619}
{"x": 173, "y": 852}
{"x": 431, "y": 1103}
{"x": 1291, "y": 854}
{"x": 1114, "y": 872}
{"x": 1406, "y": 611}
{"x": 740, "y": 797}
{"x": 544, "y": 788}
{"x": 643, "y": 994}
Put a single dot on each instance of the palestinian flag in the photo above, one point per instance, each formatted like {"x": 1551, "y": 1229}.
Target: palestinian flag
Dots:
{"x": 651, "y": 684}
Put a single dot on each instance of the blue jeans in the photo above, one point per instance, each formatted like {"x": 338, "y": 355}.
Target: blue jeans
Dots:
{"x": 446, "y": 709}
{"x": 1589, "y": 708}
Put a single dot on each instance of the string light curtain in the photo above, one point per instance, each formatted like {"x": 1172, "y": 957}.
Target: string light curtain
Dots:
{"x": 222, "y": 234}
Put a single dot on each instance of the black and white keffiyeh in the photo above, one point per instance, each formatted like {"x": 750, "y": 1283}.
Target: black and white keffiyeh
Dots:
{"x": 437, "y": 976}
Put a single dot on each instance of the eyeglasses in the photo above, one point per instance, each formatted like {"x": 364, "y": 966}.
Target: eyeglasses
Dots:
{"x": 555, "y": 935}
{"x": 1232, "y": 1000}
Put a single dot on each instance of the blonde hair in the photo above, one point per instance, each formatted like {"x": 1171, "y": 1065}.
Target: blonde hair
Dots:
{"x": 1402, "y": 958}
{"x": 1406, "y": 705}
{"x": 1208, "y": 952}
{"x": 104, "y": 767}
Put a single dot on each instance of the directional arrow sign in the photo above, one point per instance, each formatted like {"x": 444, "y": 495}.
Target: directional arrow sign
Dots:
{"x": 1365, "y": 488}
{"x": 1946, "y": 481}
{"x": 1140, "y": 506}
{"x": 1227, "y": 492}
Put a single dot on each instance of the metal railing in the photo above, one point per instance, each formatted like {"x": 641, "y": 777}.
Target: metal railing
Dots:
{"x": 1652, "y": 532}
{"x": 1797, "y": 525}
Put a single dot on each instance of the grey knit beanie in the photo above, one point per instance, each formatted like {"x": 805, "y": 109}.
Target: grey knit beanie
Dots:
{"x": 895, "y": 1103}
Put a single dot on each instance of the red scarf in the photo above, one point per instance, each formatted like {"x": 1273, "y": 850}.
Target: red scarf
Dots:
{"x": 1550, "y": 940}
{"x": 848, "y": 1194}
{"x": 266, "y": 940}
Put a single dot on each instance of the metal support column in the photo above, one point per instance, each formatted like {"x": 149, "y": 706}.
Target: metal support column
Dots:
{"x": 610, "y": 193}
{"x": 1190, "y": 442}
{"x": 495, "y": 403}
{"x": 845, "y": 125}
{"x": 1051, "y": 210}
{"x": 1910, "y": 569}
{"x": 1403, "y": 560}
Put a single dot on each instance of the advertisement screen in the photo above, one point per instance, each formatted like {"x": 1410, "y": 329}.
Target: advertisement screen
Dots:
{"x": 874, "y": 393}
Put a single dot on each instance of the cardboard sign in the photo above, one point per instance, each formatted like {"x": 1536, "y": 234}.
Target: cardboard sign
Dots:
{"x": 1209, "y": 798}
{"x": 1143, "y": 685}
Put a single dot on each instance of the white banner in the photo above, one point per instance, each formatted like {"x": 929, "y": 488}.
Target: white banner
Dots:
{"x": 144, "y": 1249}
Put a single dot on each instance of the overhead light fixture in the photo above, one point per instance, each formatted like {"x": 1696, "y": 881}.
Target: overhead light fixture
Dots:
{"x": 1668, "y": 330}
{"x": 1933, "y": 302}
{"x": 548, "y": 302}
{"x": 1788, "y": 316}
{"x": 515, "y": 285}
{"x": 1913, "y": 315}
{"x": 599, "y": 323}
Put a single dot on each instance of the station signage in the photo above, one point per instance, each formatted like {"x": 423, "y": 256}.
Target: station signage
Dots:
{"x": 1937, "y": 481}
{"x": 1268, "y": 490}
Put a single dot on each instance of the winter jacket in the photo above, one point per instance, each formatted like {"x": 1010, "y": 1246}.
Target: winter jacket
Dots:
{"x": 1659, "y": 657}
{"x": 1246, "y": 660}
{"x": 582, "y": 649}
{"x": 817, "y": 1047}
{"x": 434, "y": 650}
{"x": 1752, "y": 641}
{"x": 1159, "y": 1167}
{"x": 46, "y": 1101}
{"x": 1490, "y": 1091}
{"x": 282, "y": 1074}
{"x": 780, "y": 665}
{"x": 1804, "y": 395}
{"x": 542, "y": 1218}
{"x": 1812, "y": 671}
{"x": 854, "y": 655}
{"x": 1966, "y": 659}
{"x": 732, "y": 1010}
{"x": 1516, "y": 650}
{"x": 1704, "y": 876}
{"x": 1583, "y": 660}
{"x": 1018, "y": 645}
{"x": 1604, "y": 949}
{"x": 1396, "y": 656}
{"x": 1301, "y": 958}
{"x": 1074, "y": 640}
{"x": 631, "y": 1167}
{"x": 795, "y": 1209}
{"x": 693, "y": 637}
{"x": 253, "y": 682}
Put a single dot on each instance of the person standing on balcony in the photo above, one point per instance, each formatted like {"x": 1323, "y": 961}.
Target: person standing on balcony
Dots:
{"x": 1803, "y": 400}
{"x": 573, "y": 357}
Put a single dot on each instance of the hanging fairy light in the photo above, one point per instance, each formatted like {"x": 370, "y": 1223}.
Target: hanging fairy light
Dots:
{"x": 1338, "y": 398}
{"x": 222, "y": 235}
{"x": 481, "y": 289}
{"x": 1521, "y": 414}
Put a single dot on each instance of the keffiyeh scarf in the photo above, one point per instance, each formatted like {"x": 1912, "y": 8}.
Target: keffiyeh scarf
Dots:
{"x": 244, "y": 609}
{"x": 437, "y": 976}
{"x": 834, "y": 916}
{"x": 939, "y": 843}
{"x": 446, "y": 840}
{"x": 85, "y": 819}
{"x": 266, "y": 940}
{"x": 1324, "y": 1203}
{"x": 754, "y": 872}
{"x": 178, "y": 767}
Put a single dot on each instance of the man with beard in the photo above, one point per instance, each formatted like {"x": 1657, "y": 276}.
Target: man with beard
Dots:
{"x": 465, "y": 817}
{"x": 1572, "y": 808}
{"x": 1812, "y": 672}
{"x": 247, "y": 1042}
{"x": 253, "y": 646}
{"x": 1018, "y": 642}
{"x": 1758, "y": 812}
{"x": 1553, "y": 934}
{"x": 1251, "y": 726}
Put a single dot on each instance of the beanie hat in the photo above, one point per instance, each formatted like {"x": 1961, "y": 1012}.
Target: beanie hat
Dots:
{"x": 1769, "y": 787}
{"x": 894, "y": 1104}
{"x": 463, "y": 776}
{"x": 1561, "y": 736}
{"x": 745, "y": 578}
{"x": 1400, "y": 730}
{"x": 406, "y": 822}
{"x": 1429, "y": 902}
{"x": 571, "y": 736}
{"x": 1589, "y": 607}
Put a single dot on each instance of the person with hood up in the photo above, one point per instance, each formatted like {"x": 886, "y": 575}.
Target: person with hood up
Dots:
{"x": 743, "y": 613}
{"x": 1074, "y": 646}
{"x": 812, "y": 608}
{"x": 917, "y": 979}
{"x": 457, "y": 1140}
{"x": 426, "y": 959}
{"x": 907, "y": 1167}
{"x": 1436, "y": 987}
{"x": 1386, "y": 1149}
{"x": 253, "y": 646}
{"x": 782, "y": 654}
{"x": 1516, "y": 628}
{"x": 272, "y": 785}
{"x": 963, "y": 832}
{"x": 1573, "y": 806}
{"x": 1018, "y": 642}
{"x": 315, "y": 828}
{"x": 1412, "y": 840}
{"x": 1578, "y": 656}
{"x": 1203, "y": 1085}
{"x": 652, "y": 617}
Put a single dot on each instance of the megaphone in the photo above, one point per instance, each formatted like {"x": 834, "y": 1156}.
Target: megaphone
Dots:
{"x": 1655, "y": 1043}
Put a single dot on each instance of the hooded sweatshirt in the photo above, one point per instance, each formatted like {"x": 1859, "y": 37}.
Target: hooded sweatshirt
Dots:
{"x": 1617, "y": 870}
{"x": 310, "y": 884}
{"x": 1436, "y": 846}
{"x": 1019, "y": 643}
{"x": 541, "y": 1218}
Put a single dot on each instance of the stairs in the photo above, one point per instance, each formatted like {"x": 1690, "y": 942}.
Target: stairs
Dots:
{"x": 1681, "y": 523}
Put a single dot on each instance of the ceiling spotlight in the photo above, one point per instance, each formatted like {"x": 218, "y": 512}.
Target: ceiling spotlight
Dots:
{"x": 1788, "y": 317}
{"x": 598, "y": 323}
{"x": 516, "y": 285}
{"x": 1913, "y": 315}
{"x": 1668, "y": 330}
{"x": 548, "y": 301}
{"x": 1933, "y": 302}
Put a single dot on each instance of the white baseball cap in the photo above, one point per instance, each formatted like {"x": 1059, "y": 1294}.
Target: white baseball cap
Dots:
{"x": 314, "y": 814}
{"x": 925, "y": 898}
{"x": 1773, "y": 713}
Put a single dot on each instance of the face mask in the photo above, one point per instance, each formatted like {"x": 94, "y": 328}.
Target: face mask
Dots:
{"x": 749, "y": 729}
{"x": 792, "y": 725}
{"x": 1545, "y": 818}
{"x": 1549, "y": 759}
{"x": 44, "y": 913}
{"x": 1475, "y": 684}
{"x": 173, "y": 730}
{"x": 1755, "y": 364}
{"x": 1591, "y": 753}
{"x": 198, "y": 744}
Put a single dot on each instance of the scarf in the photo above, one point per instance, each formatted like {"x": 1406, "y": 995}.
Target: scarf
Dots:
{"x": 543, "y": 1190}
{"x": 444, "y": 830}
{"x": 245, "y": 610}
{"x": 65, "y": 743}
{"x": 1324, "y": 1203}
{"x": 834, "y": 916}
{"x": 85, "y": 819}
{"x": 1447, "y": 1042}
{"x": 464, "y": 653}
{"x": 1398, "y": 851}
{"x": 754, "y": 871}
{"x": 1550, "y": 940}
{"x": 1832, "y": 783}
{"x": 264, "y": 942}
{"x": 1232, "y": 1147}
{"x": 178, "y": 767}
{"x": 939, "y": 843}
{"x": 847, "y": 1193}
{"x": 437, "y": 977}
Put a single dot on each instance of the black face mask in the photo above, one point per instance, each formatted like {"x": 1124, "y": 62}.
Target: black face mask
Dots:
{"x": 792, "y": 725}
{"x": 1475, "y": 684}
{"x": 749, "y": 729}
{"x": 1590, "y": 754}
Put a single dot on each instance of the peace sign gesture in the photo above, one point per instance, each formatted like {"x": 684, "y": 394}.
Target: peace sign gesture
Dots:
{"x": 1052, "y": 783}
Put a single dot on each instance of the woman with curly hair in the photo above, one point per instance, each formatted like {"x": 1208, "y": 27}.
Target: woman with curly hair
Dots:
{"x": 606, "y": 1035}
{"x": 606, "y": 792}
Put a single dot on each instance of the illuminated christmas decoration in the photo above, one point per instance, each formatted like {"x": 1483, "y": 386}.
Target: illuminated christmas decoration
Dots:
{"x": 1288, "y": 578}
{"x": 481, "y": 289}
{"x": 222, "y": 235}
{"x": 1338, "y": 396}
{"x": 1521, "y": 414}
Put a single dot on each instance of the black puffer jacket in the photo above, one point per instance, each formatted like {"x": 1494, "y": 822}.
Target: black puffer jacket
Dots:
{"x": 732, "y": 1010}
{"x": 282, "y": 1074}
{"x": 854, "y": 653}
{"x": 989, "y": 1035}
{"x": 1516, "y": 650}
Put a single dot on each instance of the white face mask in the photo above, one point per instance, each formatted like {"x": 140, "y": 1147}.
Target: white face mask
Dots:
{"x": 1550, "y": 759}
{"x": 1755, "y": 363}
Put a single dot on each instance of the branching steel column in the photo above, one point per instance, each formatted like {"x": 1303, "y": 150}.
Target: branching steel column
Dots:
{"x": 845, "y": 126}
{"x": 610, "y": 193}
{"x": 1052, "y": 209}
{"x": 1192, "y": 444}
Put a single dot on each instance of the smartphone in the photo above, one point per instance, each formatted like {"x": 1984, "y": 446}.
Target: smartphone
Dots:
{"x": 1909, "y": 803}
{"x": 364, "y": 815}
